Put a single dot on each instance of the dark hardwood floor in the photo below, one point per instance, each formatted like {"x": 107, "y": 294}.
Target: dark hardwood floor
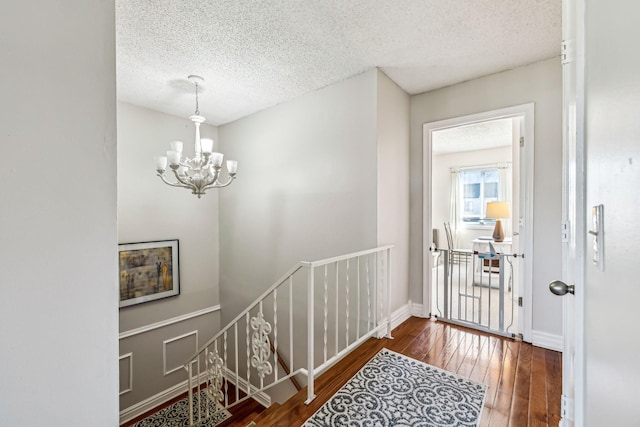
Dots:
{"x": 524, "y": 382}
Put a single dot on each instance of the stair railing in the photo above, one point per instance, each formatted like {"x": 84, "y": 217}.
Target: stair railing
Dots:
{"x": 311, "y": 326}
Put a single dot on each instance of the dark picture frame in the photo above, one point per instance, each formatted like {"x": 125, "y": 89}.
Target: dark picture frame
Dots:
{"x": 149, "y": 271}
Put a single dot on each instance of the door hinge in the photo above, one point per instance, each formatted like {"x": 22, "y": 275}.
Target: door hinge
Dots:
{"x": 567, "y": 51}
{"x": 519, "y": 301}
{"x": 564, "y": 231}
{"x": 567, "y": 408}
{"x": 521, "y": 141}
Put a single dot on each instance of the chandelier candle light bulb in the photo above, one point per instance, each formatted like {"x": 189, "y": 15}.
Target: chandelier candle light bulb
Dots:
{"x": 202, "y": 172}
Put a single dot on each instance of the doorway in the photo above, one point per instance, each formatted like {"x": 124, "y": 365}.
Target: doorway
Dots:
{"x": 468, "y": 162}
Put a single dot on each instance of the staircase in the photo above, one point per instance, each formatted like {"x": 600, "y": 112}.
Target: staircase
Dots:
{"x": 311, "y": 317}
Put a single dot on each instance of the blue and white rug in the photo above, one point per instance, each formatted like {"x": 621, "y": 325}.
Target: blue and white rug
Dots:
{"x": 396, "y": 390}
{"x": 177, "y": 415}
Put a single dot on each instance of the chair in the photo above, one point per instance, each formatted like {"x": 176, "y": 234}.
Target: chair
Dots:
{"x": 455, "y": 254}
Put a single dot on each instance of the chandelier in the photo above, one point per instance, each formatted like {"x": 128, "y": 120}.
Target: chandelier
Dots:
{"x": 201, "y": 172}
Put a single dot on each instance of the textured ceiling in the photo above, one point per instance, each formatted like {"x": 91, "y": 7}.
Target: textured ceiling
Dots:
{"x": 477, "y": 136}
{"x": 255, "y": 54}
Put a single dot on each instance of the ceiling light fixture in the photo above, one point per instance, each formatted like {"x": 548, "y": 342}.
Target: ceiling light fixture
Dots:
{"x": 202, "y": 172}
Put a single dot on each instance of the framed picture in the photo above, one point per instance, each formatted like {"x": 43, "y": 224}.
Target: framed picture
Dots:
{"x": 148, "y": 271}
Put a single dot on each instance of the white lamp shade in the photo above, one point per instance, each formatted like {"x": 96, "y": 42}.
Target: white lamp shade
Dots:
{"x": 207, "y": 145}
{"x": 176, "y": 146}
{"x": 161, "y": 162}
{"x": 173, "y": 157}
{"x": 216, "y": 159}
{"x": 498, "y": 210}
{"x": 232, "y": 166}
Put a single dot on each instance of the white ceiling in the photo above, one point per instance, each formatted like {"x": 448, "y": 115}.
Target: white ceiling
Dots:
{"x": 476, "y": 136}
{"x": 254, "y": 54}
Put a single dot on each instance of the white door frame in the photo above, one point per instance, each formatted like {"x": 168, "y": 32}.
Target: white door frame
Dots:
{"x": 526, "y": 203}
{"x": 573, "y": 212}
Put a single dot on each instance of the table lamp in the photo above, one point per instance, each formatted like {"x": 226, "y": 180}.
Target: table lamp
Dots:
{"x": 497, "y": 211}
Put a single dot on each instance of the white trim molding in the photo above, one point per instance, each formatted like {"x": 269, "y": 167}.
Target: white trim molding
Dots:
{"x": 547, "y": 340}
{"x": 417, "y": 310}
{"x": 164, "y": 351}
{"x": 130, "y": 385}
{"x": 400, "y": 315}
{"x": 167, "y": 322}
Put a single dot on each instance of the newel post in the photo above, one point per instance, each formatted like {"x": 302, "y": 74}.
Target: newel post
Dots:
{"x": 310, "y": 336}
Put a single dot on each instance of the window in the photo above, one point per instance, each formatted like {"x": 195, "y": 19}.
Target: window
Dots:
{"x": 478, "y": 187}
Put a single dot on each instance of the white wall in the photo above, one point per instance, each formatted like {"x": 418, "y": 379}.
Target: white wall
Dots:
{"x": 393, "y": 181}
{"x": 150, "y": 210}
{"x": 612, "y": 102}
{"x": 58, "y": 316}
{"x": 306, "y": 187}
{"x": 539, "y": 83}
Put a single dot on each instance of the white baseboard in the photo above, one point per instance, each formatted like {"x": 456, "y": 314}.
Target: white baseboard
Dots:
{"x": 400, "y": 315}
{"x": 546, "y": 340}
{"x": 417, "y": 310}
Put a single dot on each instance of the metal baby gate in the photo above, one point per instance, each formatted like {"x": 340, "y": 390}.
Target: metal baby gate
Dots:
{"x": 476, "y": 289}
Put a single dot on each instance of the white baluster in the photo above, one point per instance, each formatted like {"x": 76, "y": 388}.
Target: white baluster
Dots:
{"x": 226, "y": 383}
{"x": 347, "y": 322}
{"x": 389, "y": 293}
{"x": 275, "y": 332}
{"x": 376, "y": 284}
{"x": 209, "y": 381}
{"x": 235, "y": 332}
{"x": 190, "y": 373}
{"x": 310, "y": 337}
{"x": 337, "y": 311}
{"x": 368, "y": 295}
{"x": 248, "y": 358}
{"x": 291, "y": 365}
{"x": 358, "y": 299}
{"x": 326, "y": 310}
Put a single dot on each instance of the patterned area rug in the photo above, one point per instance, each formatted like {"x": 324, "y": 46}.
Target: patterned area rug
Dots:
{"x": 177, "y": 415}
{"x": 395, "y": 390}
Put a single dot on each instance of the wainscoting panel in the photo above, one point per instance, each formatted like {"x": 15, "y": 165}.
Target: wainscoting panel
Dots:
{"x": 178, "y": 349}
{"x": 154, "y": 371}
{"x": 126, "y": 373}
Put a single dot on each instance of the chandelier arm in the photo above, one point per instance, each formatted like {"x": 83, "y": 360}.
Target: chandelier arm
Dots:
{"x": 217, "y": 184}
{"x": 173, "y": 184}
{"x": 186, "y": 184}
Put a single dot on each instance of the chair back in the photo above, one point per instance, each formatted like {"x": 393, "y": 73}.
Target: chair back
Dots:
{"x": 447, "y": 230}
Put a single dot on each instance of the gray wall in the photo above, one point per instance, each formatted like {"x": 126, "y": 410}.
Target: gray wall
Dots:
{"x": 58, "y": 318}
{"x": 612, "y": 102}
{"x": 393, "y": 181}
{"x": 539, "y": 83}
{"x": 306, "y": 187}
{"x": 150, "y": 210}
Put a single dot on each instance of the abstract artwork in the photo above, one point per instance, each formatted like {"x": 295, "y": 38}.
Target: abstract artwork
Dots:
{"x": 148, "y": 271}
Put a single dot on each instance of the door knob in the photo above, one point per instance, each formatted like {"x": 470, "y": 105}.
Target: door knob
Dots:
{"x": 558, "y": 287}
